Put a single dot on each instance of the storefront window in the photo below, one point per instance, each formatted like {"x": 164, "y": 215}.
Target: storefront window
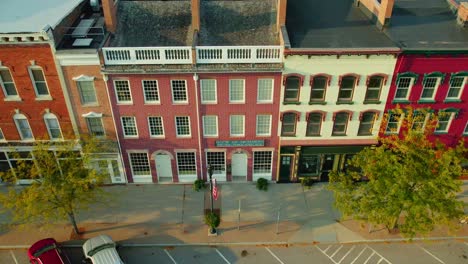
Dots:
{"x": 309, "y": 165}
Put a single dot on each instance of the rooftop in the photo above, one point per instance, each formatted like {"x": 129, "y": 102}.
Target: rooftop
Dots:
{"x": 241, "y": 22}
{"x": 331, "y": 24}
{"x": 28, "y": 16}
{"x": 426, "y": 25}
{"x": 153, "y": 24}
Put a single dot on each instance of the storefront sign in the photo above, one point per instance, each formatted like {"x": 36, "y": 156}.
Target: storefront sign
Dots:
{"x": 240, "y": 143}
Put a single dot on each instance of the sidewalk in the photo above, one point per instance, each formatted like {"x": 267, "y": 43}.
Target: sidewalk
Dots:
{"x": 173, "y": 214}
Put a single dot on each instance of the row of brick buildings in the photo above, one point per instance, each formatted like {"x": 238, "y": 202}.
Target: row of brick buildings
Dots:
{"x": 257, "y": 88}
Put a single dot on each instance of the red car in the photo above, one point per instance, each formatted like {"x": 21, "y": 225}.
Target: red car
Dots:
{"x": 46, "y": 251}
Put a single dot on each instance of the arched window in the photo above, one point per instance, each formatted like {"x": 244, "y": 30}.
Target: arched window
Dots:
{"x": 341, "y": 123}
{"x": 288, "y": 127}
{"x": 292, "y": 86}
{"x": 347, "y": 84}
{"x": 39, "y": 82}
{"x": 23, "y": 127}
{"x": 314, "y": 124}
{"x": 374, "y": 87}
{"x": 7, "y": 83}
{"x": 366, "y": 126}
{"x": 53, "y": 126}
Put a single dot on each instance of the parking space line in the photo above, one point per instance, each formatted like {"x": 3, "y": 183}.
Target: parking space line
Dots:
{"x": 273, "y": 254}
{"x": 347, "y": 253}
{"x": 169, "y": 255}
{"x": 222, "y": 256}
{"x": 432, "y": 255}
{"x": 370, "y": 256}
{"x": 323, "y": 252}
{"x": 336, "y": 252}
{"x": 381, "y": 257}
{"x": 13, "y": 256}
{"x": 327, "y": 248}
{"x": 360, "y": 253}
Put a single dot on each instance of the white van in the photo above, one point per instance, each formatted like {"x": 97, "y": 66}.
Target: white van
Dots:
{"x": 101, "y": 250}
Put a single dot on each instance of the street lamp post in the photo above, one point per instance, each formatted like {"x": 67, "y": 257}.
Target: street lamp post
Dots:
{"x": 210, "y": 174}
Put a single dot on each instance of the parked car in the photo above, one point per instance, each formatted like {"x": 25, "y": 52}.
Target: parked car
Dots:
{"x": 101, "y": 250}
{"x": 47, "y": 251}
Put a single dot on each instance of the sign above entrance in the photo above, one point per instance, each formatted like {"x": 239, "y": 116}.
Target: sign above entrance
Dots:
{"x": 240, "y": 143}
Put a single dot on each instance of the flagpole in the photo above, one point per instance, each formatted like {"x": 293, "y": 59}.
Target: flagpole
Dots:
{"x": 210, "y": 174}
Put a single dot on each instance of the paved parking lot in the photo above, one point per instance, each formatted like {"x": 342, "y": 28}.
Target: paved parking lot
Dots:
{"x": 452, "y": 252}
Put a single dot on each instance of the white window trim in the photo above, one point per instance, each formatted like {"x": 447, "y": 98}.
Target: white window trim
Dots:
{"x": 186, "y": 93}
{"x": 225, "y": 161}
{"x": 130, "y": 162}
{"x": 185, "y": 176}
{"x": 436, "y": 87}
{"x": 52, "y": 116}
{"x": 258, "y": 175}
{"x": 269, "y": 101}
{"x": 217, "y": 130}
{"x": 123, "y": 128}
{"x": 402, "y": 116}
{"x": 39, "y": 97}
{"x": 426, "y": 118}
{"x": 269, "y": 127}
{"x": 449, "y": 123}
{"x": 94, "y": 115}
{"x": 243, "y": 126}
{"x": 243, "y": 92}
{"x": 21, "y": 116}
{"x": 215, "y": 92}
{"x": 465, "y": 80}
{"x": 157, "y": 102}
{"x": 410, "y": 87}
{"x": 9, "y": 97}
{"x": 465, "y": 131}
{"x": 117, "y": 97}
{"x": 162, "y": 126}
{"x": 1, "y": 133}
{"x": 189, "y": 126}
{"x": 86, "y": 79}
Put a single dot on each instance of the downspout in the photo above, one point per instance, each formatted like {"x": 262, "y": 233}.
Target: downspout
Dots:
{"x": 195, "y": 80}
{"x": 105, "y": 78}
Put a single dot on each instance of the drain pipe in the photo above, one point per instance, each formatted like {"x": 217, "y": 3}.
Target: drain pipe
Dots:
{"x": 195, "y": 80}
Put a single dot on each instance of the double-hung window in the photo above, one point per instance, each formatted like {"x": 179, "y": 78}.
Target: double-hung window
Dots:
{"x": 237, "y": 91}
{"x": 366, "y": 126}
{"x": 314, "y": 124}
{"x": 210, "y": 126}
{"x": 217, "y": 160}
{"x": 291, "y": 89}
{"x": 236, "y": 124}
{"x": 139, "y": 163}
{"x": 179, "y": 91}
{"x": 23, "y": 127}
{"x": 262, "y": 163}
{"x": 2, "y": 138}
{"x": 393, "y": 123}
{"x": 404, "y": 83}
{"x": 457, "y": 83}
{"x": 155, "y": 124}
{"x": 39, "y": 82}
{"x": 150, "y": 90}
{"x": 7, "y": 84}
{"x": 288, "y": 126}
{"x": 95, "y": 126}
{"x": 186, "y": 164}
{"x": 263, "y": 127}
{"x": 319, "y": 87}
{"x": 419, "y": 120}
{"x": 430, "y": 83}
{"x": 208, "y": 91}
{"x": 265, "y": 91}
{"x": 122, "y": 91}
{"x": 182, "y": 126}
{"x": 444, "y": 119}
{"x": 87, "y": 92}
{"x": 53, "y": 126}
{"x": 129, "y": 126}
{"x": 374, "y": 86}
{"x": 347, "y": 84}
{"x": 465, "y": 132}
{"x": 341, "y": 124}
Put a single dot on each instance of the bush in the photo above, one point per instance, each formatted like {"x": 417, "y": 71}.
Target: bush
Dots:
{"x": 198, "y": 185}
{"x": 307, "y": 182}
{"x": 262, "y": 184}
{"x": 212, "y": 220}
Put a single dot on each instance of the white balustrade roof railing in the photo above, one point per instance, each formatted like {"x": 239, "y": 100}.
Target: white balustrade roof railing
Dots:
{"x": 183, "y": 55}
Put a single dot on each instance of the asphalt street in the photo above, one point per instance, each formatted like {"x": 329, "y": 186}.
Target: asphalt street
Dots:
{"x": 447, "y": 252}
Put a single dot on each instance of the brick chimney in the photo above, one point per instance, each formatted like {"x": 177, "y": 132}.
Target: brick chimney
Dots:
{"x": 195, "y": 15}
{"x": 462, "y": 14}
{"x": 381, "y": 11}
{"x": 281, "y": 14}
{"x": 110, "y": 14}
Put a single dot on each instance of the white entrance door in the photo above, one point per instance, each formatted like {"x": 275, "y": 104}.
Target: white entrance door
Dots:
{"x": 163, "y": 167}
{"x": 239, "y": 166}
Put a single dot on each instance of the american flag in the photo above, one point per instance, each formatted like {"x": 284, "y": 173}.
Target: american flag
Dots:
{"x": 215, "y": 190}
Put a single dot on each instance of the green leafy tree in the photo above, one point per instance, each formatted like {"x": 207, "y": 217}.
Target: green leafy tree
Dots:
{"x": 63, "y": 183}
{"x": 407, "y": 182}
